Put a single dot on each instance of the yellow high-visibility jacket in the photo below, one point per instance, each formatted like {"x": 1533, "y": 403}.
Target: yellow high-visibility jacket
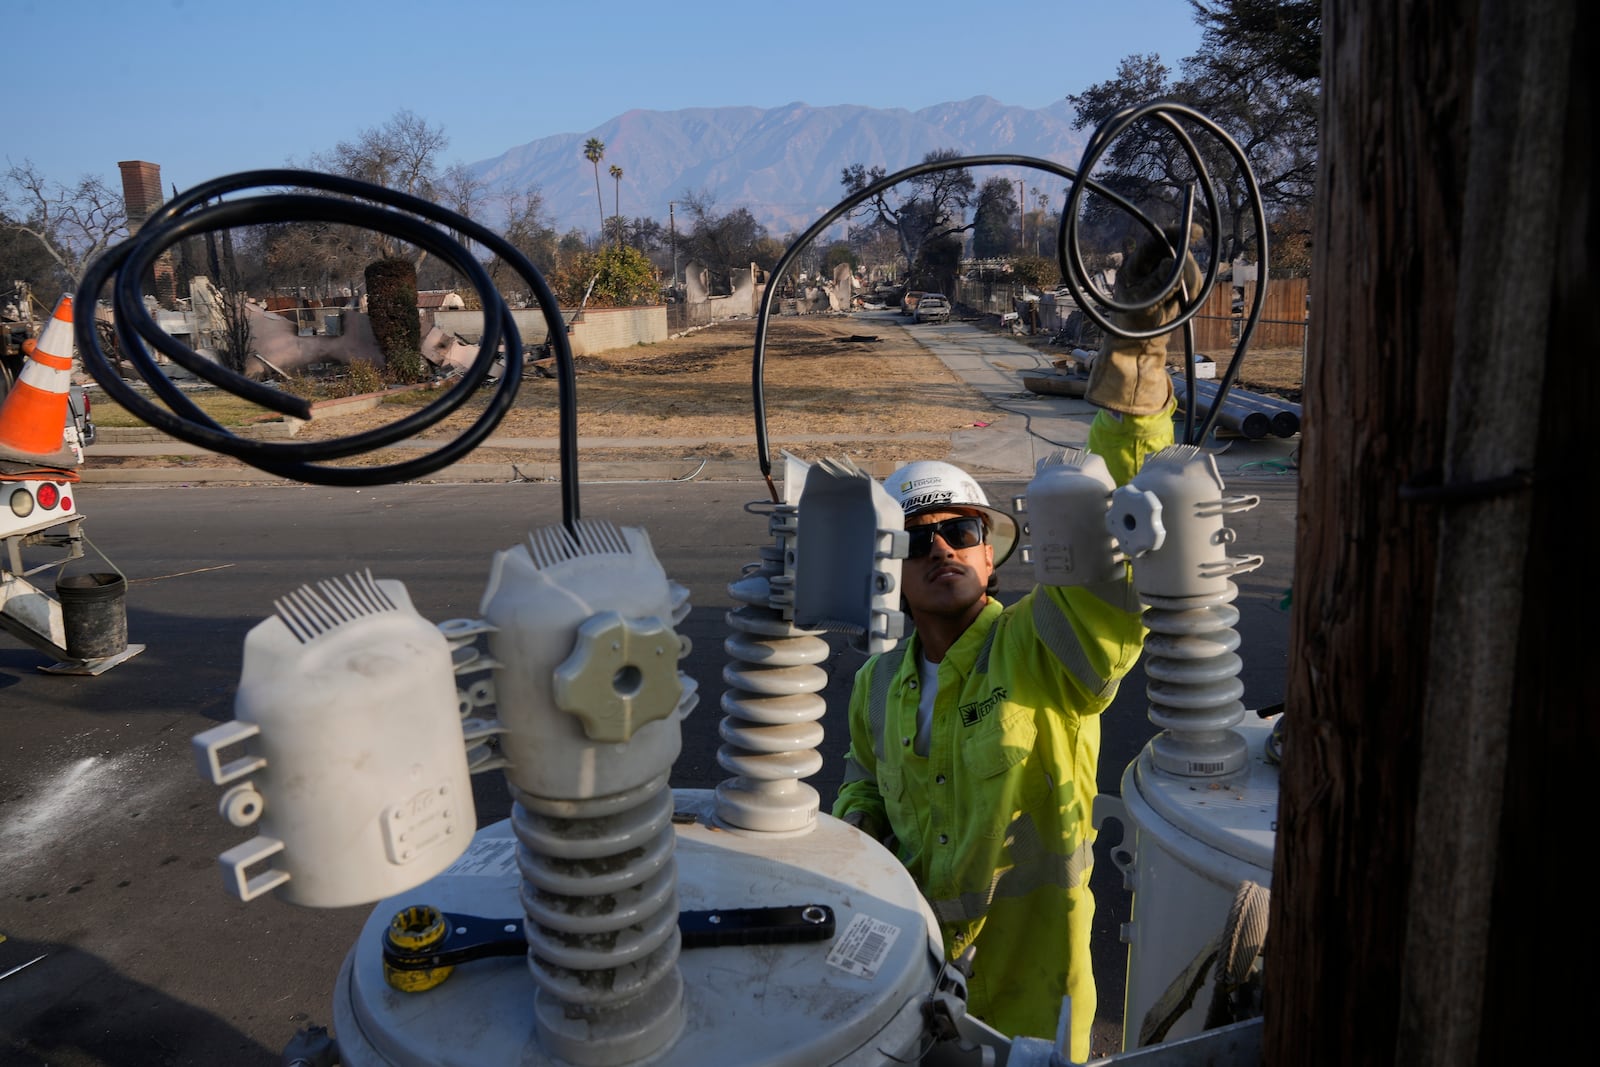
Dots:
{"x": 994, "y": 824}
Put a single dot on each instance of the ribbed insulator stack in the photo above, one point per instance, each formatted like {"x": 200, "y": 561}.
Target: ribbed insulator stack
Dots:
{"x": 773, "y": 702}
{"x": 1196, "y": 697}
{"x": 599, "y": 889}
{"x": 1169, "y": 519}
{"x": 590, "y": 701}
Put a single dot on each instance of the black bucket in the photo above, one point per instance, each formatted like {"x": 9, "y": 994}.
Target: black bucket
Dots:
{"x": 94, "y": 614}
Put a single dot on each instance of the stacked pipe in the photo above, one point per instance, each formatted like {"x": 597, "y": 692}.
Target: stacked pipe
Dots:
{"x": 1248, "y": 414}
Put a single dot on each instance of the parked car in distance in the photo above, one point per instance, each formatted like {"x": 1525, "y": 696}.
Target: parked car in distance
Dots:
{"x": 932, "y": 308}
{"x": 79, "y": 406}
{"x": 908, "y": 303}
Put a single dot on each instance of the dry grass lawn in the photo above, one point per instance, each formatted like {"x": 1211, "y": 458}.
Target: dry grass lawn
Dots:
{"x": 832, "y": 375}
{"x": 817, "y": 380}
{"x": 860, "y": 379}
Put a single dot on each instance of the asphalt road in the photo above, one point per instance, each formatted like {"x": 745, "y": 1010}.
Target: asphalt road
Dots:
{"x": 109, "y": 838}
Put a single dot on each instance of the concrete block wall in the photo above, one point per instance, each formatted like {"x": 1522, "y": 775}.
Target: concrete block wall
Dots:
{"x": 599, "y": 329}
{"x": 608, "y": 329}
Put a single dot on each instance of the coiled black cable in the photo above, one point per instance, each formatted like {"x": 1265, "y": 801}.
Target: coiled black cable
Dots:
{"x": 399, "y": 215}
{"x": 1096, "y": 304}
{"x": 1168, "y": 113}
{"x": 406, "y": 217}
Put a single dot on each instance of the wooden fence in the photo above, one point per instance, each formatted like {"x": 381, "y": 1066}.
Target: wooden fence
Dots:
{"x": 1282, "y": 323}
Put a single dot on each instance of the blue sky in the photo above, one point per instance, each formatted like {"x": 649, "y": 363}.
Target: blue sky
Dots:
{"x": 211, "y": 87}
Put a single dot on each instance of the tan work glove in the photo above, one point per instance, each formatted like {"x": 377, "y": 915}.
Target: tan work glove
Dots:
{"x": 1131, "y": 376}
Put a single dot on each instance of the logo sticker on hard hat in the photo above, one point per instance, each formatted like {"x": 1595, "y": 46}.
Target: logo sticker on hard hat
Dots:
{"x": 927, "y": 500}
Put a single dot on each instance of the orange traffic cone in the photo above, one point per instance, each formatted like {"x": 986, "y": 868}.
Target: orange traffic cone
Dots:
{"x": 33, "y": 418}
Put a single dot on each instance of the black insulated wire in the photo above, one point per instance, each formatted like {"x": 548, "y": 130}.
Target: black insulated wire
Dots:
{"x": 1096, "y": 304}
{"x": 1175, "y": 117}
{"x": 405, "y": 217}
{"x": 798, "y": 245}
{"x": 204, "y": 209}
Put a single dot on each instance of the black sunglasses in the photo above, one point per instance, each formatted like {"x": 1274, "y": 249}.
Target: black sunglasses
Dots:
{"x": 963, "y": 531}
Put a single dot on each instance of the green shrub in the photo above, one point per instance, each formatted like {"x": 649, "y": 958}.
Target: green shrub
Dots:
{"x": 362, "y": 377}
{"x": 301, "y": 386}
{"x": 1036, "y": 271}
{"x": 392, "y": 306}
{"x": 406, "y": 368}
{"x": 623, "y": 277}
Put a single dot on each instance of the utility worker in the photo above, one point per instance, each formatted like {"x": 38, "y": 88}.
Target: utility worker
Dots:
{"x": 974, "y": 745}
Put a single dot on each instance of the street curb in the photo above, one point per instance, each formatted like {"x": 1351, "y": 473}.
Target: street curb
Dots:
{"x": 269, "y": 429}
{"x": 148, "y": 435}
{"x": 503, "y": 472}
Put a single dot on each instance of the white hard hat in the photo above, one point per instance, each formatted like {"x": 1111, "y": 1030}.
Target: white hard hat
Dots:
{"x": 932, "y": 485}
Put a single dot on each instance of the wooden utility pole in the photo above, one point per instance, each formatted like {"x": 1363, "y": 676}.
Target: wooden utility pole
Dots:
{"x": 1441, "y": 707}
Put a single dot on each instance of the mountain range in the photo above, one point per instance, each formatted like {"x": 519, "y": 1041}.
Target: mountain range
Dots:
{"x": 783, "y": 164}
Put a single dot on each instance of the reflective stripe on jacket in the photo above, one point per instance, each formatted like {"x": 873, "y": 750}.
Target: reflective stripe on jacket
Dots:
{"x": 994, "y": 824}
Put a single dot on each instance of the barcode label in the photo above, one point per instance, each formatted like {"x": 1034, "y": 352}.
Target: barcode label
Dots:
{"x": 863, "y": 945}
{"x": 493, "y": 858}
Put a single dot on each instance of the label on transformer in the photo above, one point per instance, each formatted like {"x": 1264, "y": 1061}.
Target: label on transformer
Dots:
{"x": 861, "y": 948}
{"x": 493, "y": 857}
{"x": 418, "y": 824}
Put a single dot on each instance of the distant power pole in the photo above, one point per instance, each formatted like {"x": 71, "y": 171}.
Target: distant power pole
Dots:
{"x": 672, "y": 226}
{"x": 1022, "y": 218}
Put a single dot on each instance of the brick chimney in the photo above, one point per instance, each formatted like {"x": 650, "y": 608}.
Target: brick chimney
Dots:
{"x": 141, "y": 195}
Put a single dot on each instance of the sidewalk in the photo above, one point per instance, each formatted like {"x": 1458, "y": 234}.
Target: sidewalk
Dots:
{"x": 1029, "y": 427}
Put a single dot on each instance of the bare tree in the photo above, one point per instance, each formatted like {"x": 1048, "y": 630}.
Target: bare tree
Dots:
{"x": 878, "y": 248}
{"x": 316, "y": 259}
{"x": 402, "y": 154}
{"x": 234, "y": 308}
{"x": 462, "y": 192}
{"x": 725, "y": 243}
{"x": 233, "y": 339}
{"x": 929, "y": 217}
{"x": 73, "y": 224}
{"x": 527, "y": 228}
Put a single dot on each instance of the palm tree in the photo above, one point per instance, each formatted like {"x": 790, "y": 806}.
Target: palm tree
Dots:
{"x": 594, "y": 150}
{"x": 616, "y": 203}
